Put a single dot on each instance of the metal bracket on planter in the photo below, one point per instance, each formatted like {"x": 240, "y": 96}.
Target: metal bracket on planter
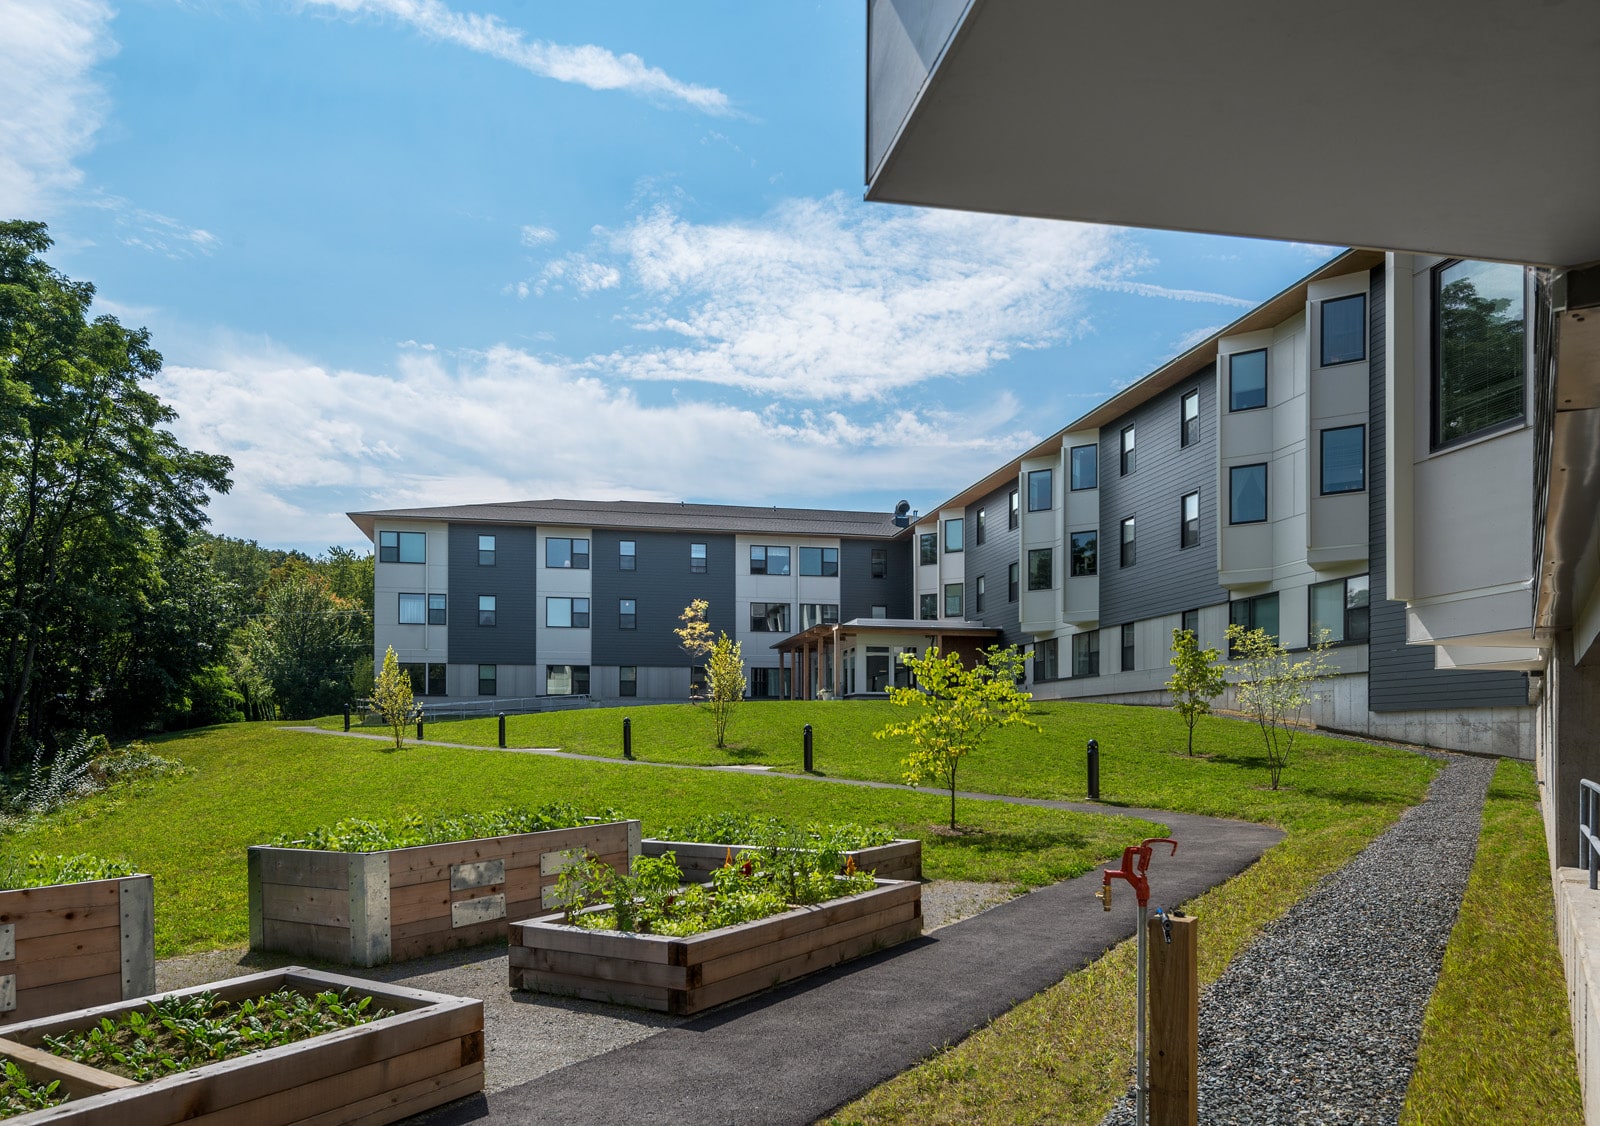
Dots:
{"x": 8, "y": 992}
{"x": 477, "y": 874}
{"x": 470, "y": 912}
{"x": 8, "y": 941}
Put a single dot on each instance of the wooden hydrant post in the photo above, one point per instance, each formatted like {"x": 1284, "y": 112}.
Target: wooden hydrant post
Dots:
{"x": 1174, "y": 1021}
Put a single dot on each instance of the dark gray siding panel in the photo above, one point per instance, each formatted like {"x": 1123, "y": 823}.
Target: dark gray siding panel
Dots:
{"x": 662, "y": 585}
{"x": 859, "y": 592}
{"x": 992, "y": 559}
{"x": 512, "y": 580}
{"x": 1402, "y": 677}
{"x": 1166, "y": 579}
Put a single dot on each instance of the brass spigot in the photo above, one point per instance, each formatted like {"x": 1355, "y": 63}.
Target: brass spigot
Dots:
{"x": 1104, "y": 896}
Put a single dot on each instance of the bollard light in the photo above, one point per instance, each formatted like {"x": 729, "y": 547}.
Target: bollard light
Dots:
{"x": 627, "y": 738}
{"x": 347, "y": 717}
{"x": 807, "y": 738}
{"x": 419, "y": 729}
{"x": 1094, "y": 770}
{"x": 502, "y": 731}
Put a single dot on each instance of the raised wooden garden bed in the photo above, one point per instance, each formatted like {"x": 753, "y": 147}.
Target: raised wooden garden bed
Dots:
{"x": 70, "y": 945}
{"x": 688, "y": 975}
{"x": 368, "y": 908}
{"x": 897, "y": 860}
{"x": 429, "y": 1053}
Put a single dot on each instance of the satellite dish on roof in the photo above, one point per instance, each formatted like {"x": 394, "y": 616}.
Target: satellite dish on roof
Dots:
{"x": 900, "y": 513}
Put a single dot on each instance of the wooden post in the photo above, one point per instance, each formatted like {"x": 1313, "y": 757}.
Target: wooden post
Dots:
{"x": 1174, "y": 1022}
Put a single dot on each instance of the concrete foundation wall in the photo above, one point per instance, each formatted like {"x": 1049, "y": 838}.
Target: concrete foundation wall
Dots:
{"x": 1578, "y": 932}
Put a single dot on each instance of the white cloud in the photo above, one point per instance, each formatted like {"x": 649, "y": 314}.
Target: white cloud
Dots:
{"x": 587, "y": 65}
{"x": 155, "y": 232}
{"x": 309, "y": 442}
{"x": 575, "y": 272}
{"x": 50, "y": 102}
{"x": 537, "y": 236}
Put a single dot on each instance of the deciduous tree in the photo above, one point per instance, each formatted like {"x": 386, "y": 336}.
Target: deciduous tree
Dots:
{"x": 1274, "y": 688}
{"x": 1197, "y": 679}
{"x": 724, "y": 683}
{"x": 393, "y": 698}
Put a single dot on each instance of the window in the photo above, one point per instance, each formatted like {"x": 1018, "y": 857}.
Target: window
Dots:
{"x": 766, "y": 682}
{"x": 486, "y": 680}
{"x": 1191, "y": 622}
{"x": 1046, "y": 660}
{"x": 412, "y": 610}
{"x": 566, "y": 680}
{"x": 627, "y": 613}
{"x": 436, "y": 609}
{"x": 1344, "y": 460}
{"x": 1247, "y": 380}
{"x": 1190, "y": 414}
{"x": 928, "y": 548}
{"x": 1011, "y": 518}
{"x": 980, "y": 588}
{"x": 1189, "y": 520}
{"x": 486, "y": 609}
{"x": 627, "y": 680}
{"x": 1260, "y": 612}
{"x": 979, "y": 531}
{"x": 1041, "y": 490}
{"x": 402, "y": 547}
{"x": 426, "y": 680}
{"x": 818, "y": 614}
{"x": 566, "y": 613}
{"x": 435, "y": 680}
{"x": 1127, "y": 646}
{"x": 1129, "y": 462}
{"x": 769, "y": 560}
{"x": 1130, "y": 547}
{"x": 1247, "y": 494}
{"x": 769, "y": 617}
{"x": 880, "y": 562}
{"x": 1086, "y": 653}
{"x": 1041, "y": 568}
{"x": 1085, "y": 467}
{"x": 955, "y": 532}
{"x": 1341, "y": 608}
{"x": 697, "y": 559}
{"x": 1085, "y": 553}
{"x": 486, "y": 551}
{"x": 1344, "y": 329}
{"x": 880, "y": 611}
{"x": 819, "y": 561}
{"x": 627, "y": 555}
{"x": 928, "y": 607}
{"x": 566, "y": 554}
{"x": 1477, "y": 349}
{"x": 952, "y": 600}
{"x": 1011, "y": 582}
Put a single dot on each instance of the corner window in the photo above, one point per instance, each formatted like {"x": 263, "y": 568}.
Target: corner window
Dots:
{"x": 1041, "y": 568}
{"x": 566, "y": 554}
{"x": 487, "y": 680}
{"x": 1478, "y": 340}
{"x": 769, "y": 617}
{"x": 1129, "y": 461}
{"x": 1260, "y": 612}
{"x": 1191, "y": 623}
{"x": 1085, "y": 467}
{"x": 1344, "y": 460}
{"x": 1012, "y": 582}
{"x": 627, "y": 555}
{"x": 566, "y": 613}
{"x": 402, "y": 547}
{"x": 486, "y": 551}
{"x": 1130, "y": 547}
{"x": 880, "y": 562}
{"x": 435, "y": 613}
{"x": 1189, "y": 414}
{"x": 954, "y": 536}
{"x": 697, "y": 559}
{"x": 1344, "y": 330}
{"x": 1086, "y": 653}
{"x": 627, "y": 613}
{"x": 1189, "y": 520}
{"x": 566, "y": 680}
{"x": 952, "y": 600}
{"x": 928, "y": 607}
{"x": 1340, "y": 608}
{"x": 928, "y": 548}
{"x": 979, "y": 532}
{"x": 1041, "y": 490}
{"x": 819, "y": 561}
{"x": 1085, "y": 553}
{"x": 412, "y": 612}
{"x": 628, "y": 680}
{"x": 769, "y": 560}
{"x": 486, "y": 609}
{"x": 979, "y": 589}
{"x": 1247, "y": 380}
{"x": 1127, "y": 646}
{"x": 1011, "y": 518}
{"x": 1247, "y": 494}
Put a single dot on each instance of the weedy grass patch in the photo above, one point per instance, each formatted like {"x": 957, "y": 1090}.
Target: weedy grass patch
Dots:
{"x": 41, "y": 870}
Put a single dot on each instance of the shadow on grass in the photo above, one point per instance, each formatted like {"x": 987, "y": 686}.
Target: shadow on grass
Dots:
{"x": 1008, "y": 843}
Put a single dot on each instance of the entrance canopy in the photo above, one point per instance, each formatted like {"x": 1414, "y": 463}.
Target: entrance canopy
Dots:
{"x": 860, "y": 657}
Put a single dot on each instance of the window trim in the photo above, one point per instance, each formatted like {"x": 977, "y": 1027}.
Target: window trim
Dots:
{"x": 1496, "y": 429}
{"x": 980, "y": 588}
{"x": 924, "y": 539}
{"x": 1184, "y": 439}
{"x": 979, "y": 532}
{"x": 1128, "y": 450}
{"x": 1266, "y": 380}
{"x": 1013, "y": 516}
{"x": 573, "y": 555}
{"x": 491, "y": 610}
{"x": 1013, "y": 581}
{"x": 925, "y": 601}
{"x": 400, "y": 538}
{"x": 1072, "y": 554}
{"x": 628, "y": 685}
{"x": 1322, "y": 329}
{"x": 1130, "y": 654}
{"x": 437, "y": 604}
{"x": 626, "y": 619}
{"x": 1049, "y": 554}
{"x": 492, "y": 680}
{"x": 573, "y": 613}
{"x": 1345, "y": 610}
{"x": 1266, "y": 493}
{"x": 701, "y": 559}
{"x": 1072, "y": 466}
{"x": 1184, "y": 540}
{"x": 420, "y": 601}
{"x": 627, "y": 555}
{"x": 1322, "y": 460}
{"x": 959, "y": 590}
{"x": 1128, "y": 542}
{"x": 487, "y": 551}
{"x": 1049, "y": 473}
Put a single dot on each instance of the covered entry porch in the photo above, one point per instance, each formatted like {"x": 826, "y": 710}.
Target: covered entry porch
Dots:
{"x": 861, "y": 657}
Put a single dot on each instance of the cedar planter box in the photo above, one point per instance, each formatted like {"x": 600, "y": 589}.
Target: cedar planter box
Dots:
{"x": 429, "y": 1053}
{"x": 897, "y": 860}
{"x": 67, "y": 946}
{"x": 688, "y": 975}
{"x": 368, "y": 908}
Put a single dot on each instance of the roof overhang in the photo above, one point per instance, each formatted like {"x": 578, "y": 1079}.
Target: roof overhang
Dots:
{"x": 867, "y": 627}
{"x": 1462, "y": 127}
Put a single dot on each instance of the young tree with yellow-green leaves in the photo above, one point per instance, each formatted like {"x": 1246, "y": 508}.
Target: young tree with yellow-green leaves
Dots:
{"x": 724, "y": 683}
{"x": 1197, "y": 679}
{"x": 1273, "y": 689}
{"x": 957, "y": 706}
{"x": 393, "y": 698}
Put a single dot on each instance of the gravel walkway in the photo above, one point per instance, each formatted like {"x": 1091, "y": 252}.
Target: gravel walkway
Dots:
{"x": 1319, "y": 1020}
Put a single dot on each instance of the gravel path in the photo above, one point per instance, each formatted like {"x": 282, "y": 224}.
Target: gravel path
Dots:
{"x": 1318, "y": 1020}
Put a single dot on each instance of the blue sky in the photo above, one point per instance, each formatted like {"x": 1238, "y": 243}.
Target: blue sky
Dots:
{"x": 416, "y": 252}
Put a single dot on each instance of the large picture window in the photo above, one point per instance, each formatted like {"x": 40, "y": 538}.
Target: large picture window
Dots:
{"x": 1247, "y": 380}
{"x": 1341, "y": 608}
{"x": 954, "y": 536}
{"x": 769, "y": 560}
{"x": 1247, "y": 494}
{"x": 1344, "y": 330}
{"x": 1041, "y": 568}
{"x": 1260, "y": 612}
{"x": 1085, "y": 467}
{"x": 412, "y": 611}
{"x": 1478, "y": 342}
{"x": 1085, "y": 553}
{"x": 565, "y": 554}
{"x": 566, "y": 680}
{"x": 1344, "y": 460}
{"x": 819, "y": 561}
{"x": 402, "y": 547}
{"x": 566, "y": 613}
{"x": 769, "y": 617}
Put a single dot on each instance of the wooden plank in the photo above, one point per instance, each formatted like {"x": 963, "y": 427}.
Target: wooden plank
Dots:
{"x": 715, "y": 944}
{"x": 95, "y": 954}
{"x": 303, "y": 867}
{"x": 639, "y": 997}
{"x": 49, "y": 947}
{"x": 77, "y": 1080}
{"x": 62, "y": 997}
{"x": 310, "y": 940}
{"x": 18, "y": 904}
{"x": 1174, "y": 1023}
{"x": 328, "y": 907}
{"x": 626, "y": 971}
{"x": 551, "y": 934}
{"x": 418, "y": 901}
{"x": 773, "y": 953}
{"x": 403, "y": 1102}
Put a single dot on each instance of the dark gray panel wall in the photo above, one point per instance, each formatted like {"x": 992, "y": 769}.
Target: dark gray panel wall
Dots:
{"x": 1401, "y": 677}
{"x": 859, "y": 592}
{"x": 512, "y": 580}
{"x": 992, "y": 559}
{"x": 1166, "y": 579}
{"x": 661, "y": 585}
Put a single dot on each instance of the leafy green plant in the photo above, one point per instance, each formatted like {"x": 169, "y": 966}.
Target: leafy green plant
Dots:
{"x": 393, "y": 698}
{"x": 178, "y": 1033}
{"x": 1197, "y": 679}
{"x": 18, "y": 1095}
{"x": 40, "y": 870}
{"x": 356, "y": 834}
{"x": 747, "y": 828}
{"x": 86, "y": 766}
{"x": 1274, "y": 689}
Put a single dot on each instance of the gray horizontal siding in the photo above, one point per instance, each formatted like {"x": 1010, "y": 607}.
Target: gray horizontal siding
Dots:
{"x": 859, "y": 592}
{"x": 661, "y": 585}
{"x": 513, "y": 639}
{"x": 1166, "y": 579}
{"x": 992, "y": 559}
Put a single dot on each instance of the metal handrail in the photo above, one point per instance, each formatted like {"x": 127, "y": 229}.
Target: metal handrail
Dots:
{"x": 1588, "y": 843}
